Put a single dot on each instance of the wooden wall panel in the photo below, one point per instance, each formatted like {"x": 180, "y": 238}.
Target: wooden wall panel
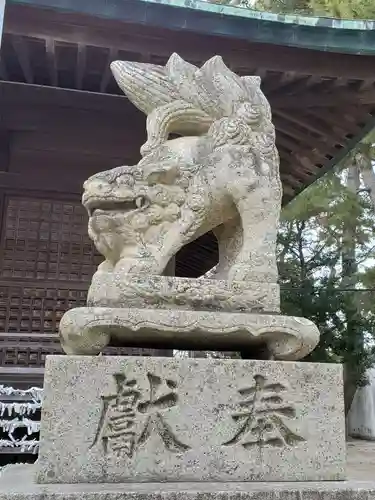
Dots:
{"x": 46, "y": 265}
{"x": 35, "y": 309}
{"x": 46, "y": 239}
{"x": 47, "y": 262}
{"x": 20, "y": 351}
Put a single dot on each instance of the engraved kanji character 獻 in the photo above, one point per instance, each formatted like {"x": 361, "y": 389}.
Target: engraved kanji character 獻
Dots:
{"x": 121, "y": 412}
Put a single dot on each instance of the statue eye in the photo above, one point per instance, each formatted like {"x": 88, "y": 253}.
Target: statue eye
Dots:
{"x": 125, "y": 179}
{"x": 142, "y": 202}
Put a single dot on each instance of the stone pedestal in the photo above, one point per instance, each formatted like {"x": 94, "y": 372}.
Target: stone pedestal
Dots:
{"x": 88, "y": 330}
{"x": 116, "y": 419}
{"x": 119, "y": 290}
{"x": 17, "y": 484}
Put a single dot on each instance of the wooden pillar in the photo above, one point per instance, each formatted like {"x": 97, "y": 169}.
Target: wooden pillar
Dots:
{"x": 4, "y": 138}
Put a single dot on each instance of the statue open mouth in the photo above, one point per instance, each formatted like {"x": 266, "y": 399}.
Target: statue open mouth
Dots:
{"x": 94, "y": 206}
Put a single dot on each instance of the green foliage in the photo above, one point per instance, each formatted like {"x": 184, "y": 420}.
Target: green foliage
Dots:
{"x": 301, "y": 7}
{"x": 315, "y": 278}
{"x": 350, "y": 9}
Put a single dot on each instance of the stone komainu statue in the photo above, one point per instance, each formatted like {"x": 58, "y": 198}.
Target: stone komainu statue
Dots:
{"x": 221, "y": 174}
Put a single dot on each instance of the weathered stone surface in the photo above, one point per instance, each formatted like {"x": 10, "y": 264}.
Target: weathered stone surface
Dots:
{"x": 87, "y": 330}
{"x": 115, "y": 419}
{"x": 16, "y": 483}
{"x": 170, "y": 292}
{"x": 221, "y": 175}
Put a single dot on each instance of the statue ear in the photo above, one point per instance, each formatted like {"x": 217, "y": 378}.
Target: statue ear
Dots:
{"x": 163, "y": 174}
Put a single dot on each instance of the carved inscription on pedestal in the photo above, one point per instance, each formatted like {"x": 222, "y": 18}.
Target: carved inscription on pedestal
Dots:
{"x": 128, "y": 418}
{"x": 185, "y": 421}
{"x": 261, "y": 417}
{"x": 126, "y": 411}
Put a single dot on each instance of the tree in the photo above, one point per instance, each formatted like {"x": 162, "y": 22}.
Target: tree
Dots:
{"x": 301, "y": 7}
{"x": 351, "y": 9}
{"x": 325, "y": 235}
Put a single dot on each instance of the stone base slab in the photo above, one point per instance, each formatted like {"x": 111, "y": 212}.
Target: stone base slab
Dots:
{"x": 118, "y": 419}
{"x": 88, "y": 330}
{"x": 16, "y": 483}
{"x": 116, "y": 289}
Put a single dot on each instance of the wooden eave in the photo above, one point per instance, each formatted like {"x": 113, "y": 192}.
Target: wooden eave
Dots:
{"x": 323, "y": 99}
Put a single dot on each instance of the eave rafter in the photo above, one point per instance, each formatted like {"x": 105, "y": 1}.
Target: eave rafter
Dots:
{"x": 112, "y": 55}
{"x": 3, "y": 70}
{"x": 80, "y": 65}
{"x": 21, "y": 50}
{"x": 314, "y": 120}
{"x": 52, "y": 61}
{"x": 333, "y": 99}
{"x": 322, "y": 102}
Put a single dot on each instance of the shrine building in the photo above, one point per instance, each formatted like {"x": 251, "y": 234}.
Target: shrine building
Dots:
{"x": 63, "y": 118}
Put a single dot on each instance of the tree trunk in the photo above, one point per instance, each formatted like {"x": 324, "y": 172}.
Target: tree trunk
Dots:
{"x": 367, "y": 174}
{"x": 354, "y": 337}
{"x": 350, "y": 388}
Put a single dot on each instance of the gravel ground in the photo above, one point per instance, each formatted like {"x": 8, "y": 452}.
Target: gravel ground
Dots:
{"x": 361, "y": 460}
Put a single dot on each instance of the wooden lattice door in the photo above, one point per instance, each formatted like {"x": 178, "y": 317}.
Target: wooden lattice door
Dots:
{"x": 46, "y": 262}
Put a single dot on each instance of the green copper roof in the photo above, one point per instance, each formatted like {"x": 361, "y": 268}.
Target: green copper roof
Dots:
{"x": 228, "y": 10}
{"x": 317, "y": 33}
